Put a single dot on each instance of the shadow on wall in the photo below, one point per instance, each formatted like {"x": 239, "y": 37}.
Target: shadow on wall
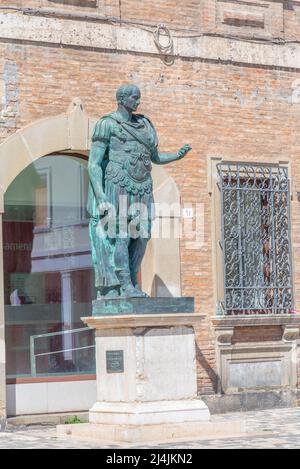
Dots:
{"x": 159, "y": 289}
{"x": 207, "y": 367}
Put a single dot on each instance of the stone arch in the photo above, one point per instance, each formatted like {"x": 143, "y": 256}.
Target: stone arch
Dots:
{"x": 68, "y": 131}
{"x": 71, "y": 132}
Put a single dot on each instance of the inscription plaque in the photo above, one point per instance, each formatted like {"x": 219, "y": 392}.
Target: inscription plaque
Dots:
{"x": 114, "y": 361}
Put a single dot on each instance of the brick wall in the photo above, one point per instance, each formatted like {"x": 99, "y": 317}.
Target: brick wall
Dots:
{"x": 259, "y": 18}
{"x": 236, "y": 112}
{"x": 186, "y": 14}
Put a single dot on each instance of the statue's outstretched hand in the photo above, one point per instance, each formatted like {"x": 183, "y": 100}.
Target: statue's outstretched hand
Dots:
{"x": 184, "y": 150}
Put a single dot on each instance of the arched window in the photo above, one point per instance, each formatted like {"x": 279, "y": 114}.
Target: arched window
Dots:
{"x": 48, "y": 275}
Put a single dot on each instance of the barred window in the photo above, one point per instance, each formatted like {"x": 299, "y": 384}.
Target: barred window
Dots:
{"x": 256, "y": 242}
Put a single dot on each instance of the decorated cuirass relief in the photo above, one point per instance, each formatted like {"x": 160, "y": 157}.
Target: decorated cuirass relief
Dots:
{"x": 129, "y": 160}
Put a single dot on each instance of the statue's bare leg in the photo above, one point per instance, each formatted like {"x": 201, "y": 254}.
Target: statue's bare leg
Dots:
{"x": 137, "y": 248}
{"x": 121, "y": 257}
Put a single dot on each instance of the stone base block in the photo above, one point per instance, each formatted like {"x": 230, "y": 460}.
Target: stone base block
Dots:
{"x": 161, "y": 433}
{"x": 141, "y": 306}
{"x": 149, "y": 413}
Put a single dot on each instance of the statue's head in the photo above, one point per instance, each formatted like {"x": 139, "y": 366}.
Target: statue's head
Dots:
{"x": 128, "y": 96}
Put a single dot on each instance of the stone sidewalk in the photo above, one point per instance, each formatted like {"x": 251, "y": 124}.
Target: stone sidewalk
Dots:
{"x": 277, "y": 428}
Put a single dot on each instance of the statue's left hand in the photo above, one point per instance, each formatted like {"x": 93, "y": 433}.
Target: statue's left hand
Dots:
{"x": 184, "y": 150}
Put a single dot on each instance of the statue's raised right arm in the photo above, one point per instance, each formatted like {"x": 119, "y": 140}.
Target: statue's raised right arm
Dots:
{"x": 165, "y": 158}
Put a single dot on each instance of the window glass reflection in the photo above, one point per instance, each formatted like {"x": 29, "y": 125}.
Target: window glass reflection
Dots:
{"x": 48, "y": 273}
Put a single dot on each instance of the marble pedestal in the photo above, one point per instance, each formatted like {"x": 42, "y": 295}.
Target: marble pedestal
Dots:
{"x": 146, "y": 379}
{"x": 146, "y": 370}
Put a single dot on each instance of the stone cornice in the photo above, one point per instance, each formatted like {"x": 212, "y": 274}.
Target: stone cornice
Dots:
{"x": 38, "y": 30}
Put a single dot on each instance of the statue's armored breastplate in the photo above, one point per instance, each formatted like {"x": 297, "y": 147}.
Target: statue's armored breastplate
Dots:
{"x": 132, "y": 156}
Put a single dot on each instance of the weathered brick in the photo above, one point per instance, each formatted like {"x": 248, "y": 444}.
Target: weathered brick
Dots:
{"x": 233, "y": 111}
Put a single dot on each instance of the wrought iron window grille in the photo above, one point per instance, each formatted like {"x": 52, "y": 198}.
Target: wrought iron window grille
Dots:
{"x": 256, "y": 241}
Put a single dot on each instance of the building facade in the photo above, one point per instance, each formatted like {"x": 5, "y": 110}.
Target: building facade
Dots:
{"x": 222, "y": 76}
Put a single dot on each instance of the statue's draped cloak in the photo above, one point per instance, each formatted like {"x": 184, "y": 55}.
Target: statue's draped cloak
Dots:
{"x": 126, "y": 170}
